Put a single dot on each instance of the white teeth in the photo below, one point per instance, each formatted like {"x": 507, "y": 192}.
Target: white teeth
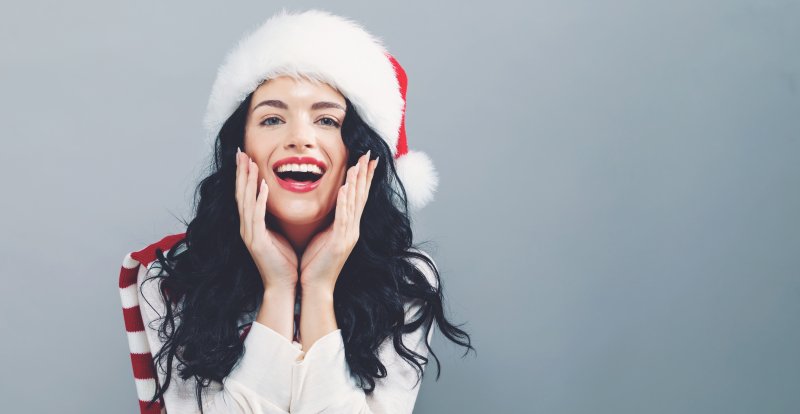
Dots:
{"x": 300, "y": 168}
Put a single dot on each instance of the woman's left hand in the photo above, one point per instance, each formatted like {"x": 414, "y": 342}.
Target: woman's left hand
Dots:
{"x": 328, "y": 250}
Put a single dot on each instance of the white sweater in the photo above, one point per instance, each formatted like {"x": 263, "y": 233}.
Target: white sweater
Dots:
{"x": 275, "y": 376}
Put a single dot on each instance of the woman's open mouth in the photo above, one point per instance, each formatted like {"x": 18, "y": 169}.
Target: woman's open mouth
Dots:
{"x": 292, "y": 178}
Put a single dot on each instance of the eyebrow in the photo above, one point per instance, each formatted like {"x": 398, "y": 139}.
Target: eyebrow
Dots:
{"x": 282, "y": 105}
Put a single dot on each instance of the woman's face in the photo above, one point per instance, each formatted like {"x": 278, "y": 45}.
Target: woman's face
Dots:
{"x": 290, "y": 118}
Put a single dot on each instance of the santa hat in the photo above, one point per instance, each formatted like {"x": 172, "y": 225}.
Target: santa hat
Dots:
{"x": 338, "y": 51}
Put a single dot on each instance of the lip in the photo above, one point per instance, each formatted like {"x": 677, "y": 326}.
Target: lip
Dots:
{"x": 295, "y": 186}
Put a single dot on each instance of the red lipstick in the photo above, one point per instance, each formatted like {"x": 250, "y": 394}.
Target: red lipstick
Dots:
{"x": 298, "y": 186}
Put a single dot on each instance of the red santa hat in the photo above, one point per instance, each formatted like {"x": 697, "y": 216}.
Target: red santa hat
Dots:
{"x": 338, "y": 51}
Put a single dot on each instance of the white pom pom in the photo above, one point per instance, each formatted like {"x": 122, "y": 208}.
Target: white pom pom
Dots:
{"x": 419, "y": 178}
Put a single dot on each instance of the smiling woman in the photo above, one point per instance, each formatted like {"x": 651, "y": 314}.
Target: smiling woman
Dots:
{"x": 297, "y": 286}
{"x": 292, "y": 118}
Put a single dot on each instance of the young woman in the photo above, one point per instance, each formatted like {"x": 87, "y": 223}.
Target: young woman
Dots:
{"x": 296, "y": 287}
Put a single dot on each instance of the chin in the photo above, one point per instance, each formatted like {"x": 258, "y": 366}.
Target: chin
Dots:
{"x": 298, "y": 212}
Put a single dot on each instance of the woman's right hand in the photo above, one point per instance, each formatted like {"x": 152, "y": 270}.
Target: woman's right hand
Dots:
{"x": 272, "y": 253}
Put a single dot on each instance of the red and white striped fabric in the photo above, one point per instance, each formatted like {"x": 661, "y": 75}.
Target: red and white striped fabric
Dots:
{"x": 141, "y": 357}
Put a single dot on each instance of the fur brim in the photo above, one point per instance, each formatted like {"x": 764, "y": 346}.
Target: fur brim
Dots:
{"x": 318, "y": 45}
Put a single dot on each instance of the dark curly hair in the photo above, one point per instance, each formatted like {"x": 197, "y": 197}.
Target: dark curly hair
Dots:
{"x": 213, "y": 278}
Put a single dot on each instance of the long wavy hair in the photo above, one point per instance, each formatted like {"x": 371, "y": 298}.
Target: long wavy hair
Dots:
{"x": 208, "y": 279}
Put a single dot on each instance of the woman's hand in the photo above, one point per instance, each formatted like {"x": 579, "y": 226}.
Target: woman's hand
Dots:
{"x": 329, "y": 249}
{"x": 273, "y": 255}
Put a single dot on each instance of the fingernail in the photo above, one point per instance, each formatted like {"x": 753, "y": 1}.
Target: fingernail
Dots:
{"x": 238, "y": 150}
{"x": 376, "y": 160}
{"x": 368, "y": 152}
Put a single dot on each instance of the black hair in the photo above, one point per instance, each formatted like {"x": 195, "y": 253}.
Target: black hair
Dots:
{"x": 208, "y": 279}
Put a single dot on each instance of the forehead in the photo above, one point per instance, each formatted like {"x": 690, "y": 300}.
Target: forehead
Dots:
{"x": 289, "y": 87}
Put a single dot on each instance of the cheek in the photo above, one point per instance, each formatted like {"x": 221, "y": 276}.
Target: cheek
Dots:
{"x": 335, "y": 182}
{"x": 341, "y": 175}
{"x": 258, "y": 139}
{"x": 341, "y": 165}
{"x": 260, "y": 152}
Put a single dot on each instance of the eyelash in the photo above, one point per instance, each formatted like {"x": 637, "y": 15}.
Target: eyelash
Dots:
{"x": 335, "y": 124}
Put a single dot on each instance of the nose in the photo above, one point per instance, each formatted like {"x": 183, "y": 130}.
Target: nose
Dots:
{"x": 300, "y": 136}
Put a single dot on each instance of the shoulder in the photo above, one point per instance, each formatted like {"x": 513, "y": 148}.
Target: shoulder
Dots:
{"x": 135, "y": 266}
{"x": 147, "y": 255}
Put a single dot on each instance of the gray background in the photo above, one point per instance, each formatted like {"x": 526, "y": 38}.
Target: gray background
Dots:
{"x": 617, "y": 221}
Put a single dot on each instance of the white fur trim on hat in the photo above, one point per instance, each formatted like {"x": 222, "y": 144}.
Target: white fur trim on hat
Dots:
{"x": 318, "y": 45}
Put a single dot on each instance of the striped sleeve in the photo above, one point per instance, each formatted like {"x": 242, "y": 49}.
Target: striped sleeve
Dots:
{"x": 144, "y": 374}
{"x": 259, "y": 384}
{"x": 141, "y": 357}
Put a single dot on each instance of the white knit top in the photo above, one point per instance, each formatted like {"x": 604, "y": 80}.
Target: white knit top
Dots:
{"x": 274, "y": 375}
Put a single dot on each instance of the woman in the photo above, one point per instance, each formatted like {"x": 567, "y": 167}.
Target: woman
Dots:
{"x": 296, "y": 287}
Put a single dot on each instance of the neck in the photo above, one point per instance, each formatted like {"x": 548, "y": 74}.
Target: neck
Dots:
{"x": 299, "y": 235}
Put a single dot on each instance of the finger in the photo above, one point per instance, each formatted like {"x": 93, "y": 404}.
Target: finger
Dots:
{"x": 341, "y": 211}
{"x": 241, "y": 176}
{"x": 373, "y": 165}
{"x": 362, "y": 181}
{"x": 351, "y": 197}
{"x": 361, "y": 196}
{"x": 348, "y": 185}
{"x": 259, "y": 221}
{"x": 371, "y": 172}
{"x": 249, "y": 198}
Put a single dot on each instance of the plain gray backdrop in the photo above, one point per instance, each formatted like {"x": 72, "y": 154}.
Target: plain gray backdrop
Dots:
{"x": 617, "y": 221}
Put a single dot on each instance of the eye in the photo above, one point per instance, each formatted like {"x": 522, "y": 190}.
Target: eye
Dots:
{"x": 267, "y": 120}
{"x": 332, "y": 123}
